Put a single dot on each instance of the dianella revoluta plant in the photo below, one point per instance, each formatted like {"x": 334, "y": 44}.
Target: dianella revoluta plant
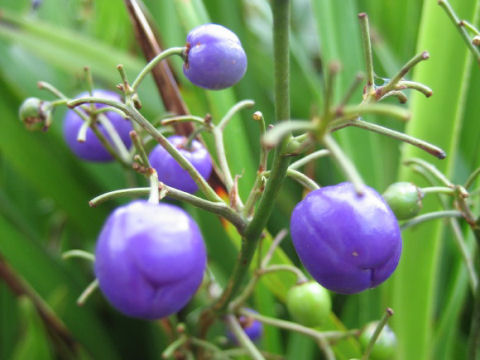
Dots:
{"x": 158, "y": 257}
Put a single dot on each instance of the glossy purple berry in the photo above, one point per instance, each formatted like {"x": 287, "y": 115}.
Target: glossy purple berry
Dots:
{"x": 92, "y": 149}
{"x": 150, "y": 259}
{"x": 215, "y": 58}
{"x": 169, "y": 170}
{"x": 252, "y": 328}
{"x": 348, "y": 242}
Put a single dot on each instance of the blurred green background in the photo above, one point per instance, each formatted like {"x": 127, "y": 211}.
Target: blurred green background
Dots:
{"x": 44, "y": 189}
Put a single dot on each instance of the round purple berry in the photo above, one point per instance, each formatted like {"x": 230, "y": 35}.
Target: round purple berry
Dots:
{"x": 252, "y": 328}
{"x": 149, "y": 259}
{"x": 92, "y": 149}
{"x": 169, "y": 170}
{"x": 348, "y": 242}
{"x": 215, "y": 58}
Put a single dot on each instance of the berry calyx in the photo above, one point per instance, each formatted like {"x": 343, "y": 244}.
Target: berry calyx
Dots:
{"x": 149, "y": 259}
{"x": 92, "y": 149}
{"x": 214, "y": 58}
{"x": 35, "y": 114}
{"x": 404, "y": 198}
{"x": 386, "y": 344}
{"x": 309, "y": 303}
{"x": 348, "y": 242}
{"x": 169, "y": 170}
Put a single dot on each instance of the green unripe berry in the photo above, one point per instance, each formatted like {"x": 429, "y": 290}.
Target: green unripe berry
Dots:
{"x": 386, "y": 344}
{"x": 404, "y": 198}
{"x": 34, "y": 114}
{"x": 309, "y": 303}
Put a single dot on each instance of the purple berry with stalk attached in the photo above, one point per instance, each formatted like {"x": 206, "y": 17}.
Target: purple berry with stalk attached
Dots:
{"x": 348, "y": 242}
{"x": 149, "y": 259}
{"x": 169, "y": 170}
{"x": 215, "y": 58}
{"x": 252, "y": 328}
{"x": 92, "y": 149}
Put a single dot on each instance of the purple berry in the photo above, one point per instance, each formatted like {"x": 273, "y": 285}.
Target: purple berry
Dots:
{"x": 149, "y": 259}
{"x": 253, "y": 328}
{"x": 348, "y": 242}
{"x": 92, "y": 149}
{"x": 215, "y": 58}
{"x": 169, "y": 170}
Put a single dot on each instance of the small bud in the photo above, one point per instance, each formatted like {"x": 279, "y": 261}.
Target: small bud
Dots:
{"x": 257, "y": 115}
{"x": 35, "y": 114}
{"x": 404, "y": 198}
{"x": 476, "y": 40}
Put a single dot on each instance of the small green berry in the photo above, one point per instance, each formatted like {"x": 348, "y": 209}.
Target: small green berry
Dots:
{"x": 34, "y": 114}
{"x": 386, "y": 344}
{"x": 309, "y": 303}
{"x": 404, "y": 198}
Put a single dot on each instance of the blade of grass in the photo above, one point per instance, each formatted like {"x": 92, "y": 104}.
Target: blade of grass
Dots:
{"x": 417, "y": 271}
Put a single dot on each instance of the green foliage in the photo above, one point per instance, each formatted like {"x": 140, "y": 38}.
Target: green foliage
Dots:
{"x": 44, "y": 190}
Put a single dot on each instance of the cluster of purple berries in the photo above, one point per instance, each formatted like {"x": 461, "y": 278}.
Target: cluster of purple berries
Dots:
{"x": 150, "y": 258}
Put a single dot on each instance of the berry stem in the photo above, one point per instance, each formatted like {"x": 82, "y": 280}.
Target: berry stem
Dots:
{"x": 235, "y": 109}
{"x": 219, "y": 208}
{"x": 425, "y": 146}
{"x": 310, "y": 157}
{"x": 223, "y": 162}
{"x": 291, "y": 326}
{"x": 137, "y": 143}
{"x": 184, "y": 118}
{"x": 87, "y": 292}
{"x": 113, "y": 134}
{"x": 376, "y": 334}
{"x": 77, "y": 253}
{"x": 431, "y": 216}
{"x": 256, "y": 190}
{"x": 392, "y": 84}
{"x": 438, "y": 190}
{"x": 405, "y": 84}
{"x": 134, "y": 114}
{"x": 152, "y": 63}
{"x": 344, "y": 162}
{"x": 367, "y": 52}
{"x": 458, "y": 24}
{"x": 354, "y": 111}
{"x": 301, "y": 278}
{"x": 153, "y": 196}
{"x": 282, "y": 131}
{"x": 302, "y": 179}
{"x": 471, "y": 179}
{"x": 242, "y": 338}
{"x": 430, "y": 169}
{"x": 170, "y": 350}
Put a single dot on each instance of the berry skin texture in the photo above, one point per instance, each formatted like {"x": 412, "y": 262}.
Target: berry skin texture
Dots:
{"x": 169, "y": 170}
{"x": 349, "y": 243}
{"x": 253, "y": 328}
{"x": 309, "y": 304}
{"x": 149, "y": 259}
{"x": 386, "y": 344}
{"x": 215, "y": 58}
{"x": 404, "y": 198}
{"x": 92, "y": 149}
